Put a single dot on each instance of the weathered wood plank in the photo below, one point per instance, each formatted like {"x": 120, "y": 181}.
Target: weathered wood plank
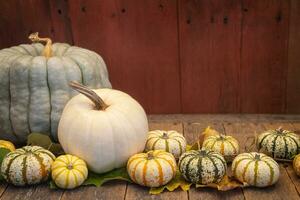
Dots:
{"x": 138, "y": 192}
{"x": 38, "y": 192}
{"x": 191, "y": 132}
{"x": 139, "y": 43}
{"x": 284, "y": 189}
{"x": 255, "y": 118}
{"x": 264, "y": 56}
{"x": 293, "y": 81}
{"x": 61, "y": 22}
{"x": 111, "y": 190}
{"x": 209, "y": 40}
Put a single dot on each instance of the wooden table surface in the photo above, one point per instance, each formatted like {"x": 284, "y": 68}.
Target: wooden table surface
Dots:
{"x": 239, "y": 126}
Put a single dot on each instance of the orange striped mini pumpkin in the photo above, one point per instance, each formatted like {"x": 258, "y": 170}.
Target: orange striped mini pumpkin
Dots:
{"x": 228, "y": 146}
{"x": 169, "y": 141}
{"x": 256, "y": 169}
{"x": 69, "y": 171}
{"x": 152, "y": 169}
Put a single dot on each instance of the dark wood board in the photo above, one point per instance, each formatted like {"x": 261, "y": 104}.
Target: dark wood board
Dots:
{"x": 265, "y": 28}
{"x": 138, "y": 41}
{"x": 293, "y": 81}
{"x": 209, "y": 36}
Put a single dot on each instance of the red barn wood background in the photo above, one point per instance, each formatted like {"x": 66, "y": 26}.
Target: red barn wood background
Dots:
{"x": 184, "y": 56}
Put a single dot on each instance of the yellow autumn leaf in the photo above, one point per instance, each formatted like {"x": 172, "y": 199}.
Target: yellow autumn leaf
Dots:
{"x": 175, "y": 183}
{"x": 227, "y": 183}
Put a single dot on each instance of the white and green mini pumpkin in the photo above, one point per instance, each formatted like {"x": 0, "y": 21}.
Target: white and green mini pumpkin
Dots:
{"x": 34, "y": 85}
{"x": 27, "y": 166}
{"x": 279, "y": 143}
{"x": 169, "y": 141}
{"x": 202, "y": 166}
{"x": 228, "y": 146}
{"x": 256, "y": 169}
{"x": 152, "y": 169}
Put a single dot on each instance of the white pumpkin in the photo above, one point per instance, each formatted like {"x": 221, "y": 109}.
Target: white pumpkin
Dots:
{"x": 169, "y": 141}
{"x": 104, "y": 129}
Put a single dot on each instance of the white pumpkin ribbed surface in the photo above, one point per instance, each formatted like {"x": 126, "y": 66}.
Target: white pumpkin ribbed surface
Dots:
{"x": 105, "y": 139}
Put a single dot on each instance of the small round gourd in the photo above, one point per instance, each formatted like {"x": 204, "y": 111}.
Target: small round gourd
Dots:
{"x": 255, "y": 169}
{"x": 279, "y": 143}
{"x": 202, "y": 166}
{"x": 296, "y": 164}
{"x": 169, "y": 141}
{"x": 228, "y": 146}
{"x": 7, "y": 145}
{"x": 69, "y": 171}
{"x": 152, "y": 169}
{"x": 27, "y": 165}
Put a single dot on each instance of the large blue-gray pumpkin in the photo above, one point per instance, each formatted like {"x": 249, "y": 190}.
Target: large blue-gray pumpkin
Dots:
{"x": 34, "y": 85}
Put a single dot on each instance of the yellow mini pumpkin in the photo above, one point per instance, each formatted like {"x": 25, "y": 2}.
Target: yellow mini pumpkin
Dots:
{"x": 296, "y": 164}
{"x": 69, "y": 171}
{"x": 7, "y": 145}
{"x": 169, "y": 141}
{"x": 256, "y": 169}
{"x": 228, "y": 146}
{"x": 152, "y": 169}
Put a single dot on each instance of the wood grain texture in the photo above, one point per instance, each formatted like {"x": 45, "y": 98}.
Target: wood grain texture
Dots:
{"x": 293, "y": 81}
{"x": 135, "y": 191}
{"x": 61, "y": 23}
{"x": 112, "y": 190}
{"x": 209, "y": 53}
{"x": 38, "y": 192}
{"x": 181, "y": 56}
{"x": 264, "y": 56}
{"x": 138, "y": 41}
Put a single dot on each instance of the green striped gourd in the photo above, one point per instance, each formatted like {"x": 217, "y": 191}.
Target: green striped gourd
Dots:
{"x": 27, "y": 166}
{"x": 152, "y": 169}
{"x": 170, "y": 141}
{"x": 279, "y": 143}
{"x": 34, "y": 85}
{"x": 228, "y": 146}
{"x": 202, "y": 166}
{"x": 255, "y": 169}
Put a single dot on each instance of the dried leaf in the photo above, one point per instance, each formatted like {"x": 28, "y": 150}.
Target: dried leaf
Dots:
{"x": 227, "y": 183}
{"x": 176, "y": 182}
{"x": 42, "y": 140}
{"x": 207, "y": 132}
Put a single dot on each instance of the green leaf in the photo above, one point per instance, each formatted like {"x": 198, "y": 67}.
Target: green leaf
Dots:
{"x": 3, "y": 152}
{"x": 52, "y": 185}
{"x": 42, "y": 140}
{"x": 175, "y": 183}
{"x": 99, "y": 179}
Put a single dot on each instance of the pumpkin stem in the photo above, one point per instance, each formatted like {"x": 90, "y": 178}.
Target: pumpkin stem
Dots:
{"x": 47, "y": 52}
{"x": 150, "y": 155}
{"x": 165, "y": 136}
{"x": 99, "y": 103}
